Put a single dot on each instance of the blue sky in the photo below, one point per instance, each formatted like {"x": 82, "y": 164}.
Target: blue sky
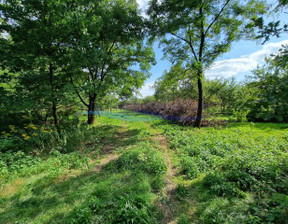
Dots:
{"x": 243, "y": 57}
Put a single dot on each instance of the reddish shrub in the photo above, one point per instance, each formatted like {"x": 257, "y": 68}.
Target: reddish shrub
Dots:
{"x": 180, "y": 110}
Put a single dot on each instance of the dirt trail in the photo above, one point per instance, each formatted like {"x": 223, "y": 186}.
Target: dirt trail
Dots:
{"x": 110, "y": 150}
{"x": 167, "y": 203}
{"x": 104, "y": 161}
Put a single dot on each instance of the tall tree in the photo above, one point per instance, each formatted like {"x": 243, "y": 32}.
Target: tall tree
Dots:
{"x": 197, "y": 32}
{"x": 271, "y": 91}
{"x": 110, "y": 56}
{"x": 175, "y": 83}
{"x": 37, "y": 36}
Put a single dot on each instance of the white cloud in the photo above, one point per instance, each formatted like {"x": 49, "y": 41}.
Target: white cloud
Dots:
{"x": 231, "y": 67}
{"x": 142, "y": 3}
{"x": 147, "y": 89}
{"x": 246, "y": 63}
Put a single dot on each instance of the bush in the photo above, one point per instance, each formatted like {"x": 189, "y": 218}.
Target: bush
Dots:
{"x": 181, "y": 111}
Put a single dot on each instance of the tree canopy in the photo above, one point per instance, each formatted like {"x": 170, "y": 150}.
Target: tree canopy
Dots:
{"x": 197, "y": 32}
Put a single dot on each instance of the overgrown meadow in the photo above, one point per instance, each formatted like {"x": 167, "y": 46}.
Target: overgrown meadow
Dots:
{"x": 67, "y": 183}
{"x": 116, "y": 172}
{"x": 233, "y": 174}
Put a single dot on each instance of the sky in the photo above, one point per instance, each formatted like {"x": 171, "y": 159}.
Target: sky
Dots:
{"x": 243, "y": 57}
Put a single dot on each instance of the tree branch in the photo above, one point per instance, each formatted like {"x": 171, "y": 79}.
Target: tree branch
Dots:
{"x": 217, "y": 17}
{"x": 187, "y": 41}
{"x": 192, "y": 48}
{"x": 78, "y": 94}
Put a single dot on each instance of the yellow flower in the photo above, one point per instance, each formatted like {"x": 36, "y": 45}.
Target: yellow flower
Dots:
{"x": 5, "y": 133}
{"x": 32, "y": 126}
{"x": 51, "y": 131}
{"x": 34, "y": 134}
{"x": 26, "y": 137}
{"x": 12, "y": 128}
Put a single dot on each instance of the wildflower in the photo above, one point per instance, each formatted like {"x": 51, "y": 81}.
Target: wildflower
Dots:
{"x": 12, "y": 128}
{"x": 32, "y": 126}
{"x": 35, "y": 134}
{"x": 5, "y": 133}
{"x": 26, "y": 137}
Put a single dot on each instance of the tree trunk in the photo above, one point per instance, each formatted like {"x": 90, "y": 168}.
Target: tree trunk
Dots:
{"x": 200, "y": 73}
{"x": 54, "y": 106}
{"x": 54, "y": 111}
{"x": 200, "y": 101}
{"x": 91, "y": 110}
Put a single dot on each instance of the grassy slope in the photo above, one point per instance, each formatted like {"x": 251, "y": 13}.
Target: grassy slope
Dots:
{"x": 237, "y": 174}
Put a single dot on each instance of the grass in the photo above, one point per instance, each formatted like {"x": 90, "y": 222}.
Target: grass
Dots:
{"x": 232, "y": 174}
{"x": 66, "y": 188}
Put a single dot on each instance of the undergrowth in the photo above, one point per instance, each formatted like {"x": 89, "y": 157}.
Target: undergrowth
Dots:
{"x": 236, "y": 174}
{"x": 56, "y": 182}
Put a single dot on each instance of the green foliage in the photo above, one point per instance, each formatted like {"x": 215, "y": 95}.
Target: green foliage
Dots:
{"x": 184, "y": 219}
{"x": 271, "y": 82}
{"x": 59, "y": 183}
{"x": 130, "y": 203}
{"x": 273, "y": 28}
{"x": 195, "y": 34}
{"x": 145, "y": 159}
{"x": 237, "y": 171}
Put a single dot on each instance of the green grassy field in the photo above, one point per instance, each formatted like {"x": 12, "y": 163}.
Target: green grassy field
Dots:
{"x": 135, "y": 168}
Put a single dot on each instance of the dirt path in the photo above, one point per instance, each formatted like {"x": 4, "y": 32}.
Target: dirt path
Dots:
{"x": 110, "y": 150}
{"x": 167, "y": 201}
{"x": 104, "y": 161}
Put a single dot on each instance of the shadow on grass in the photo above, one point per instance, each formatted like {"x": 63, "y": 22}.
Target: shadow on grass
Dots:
{"x": 59, "y": 199}
{"x": 105, "y": 194}
{"x": 113, "y": 138}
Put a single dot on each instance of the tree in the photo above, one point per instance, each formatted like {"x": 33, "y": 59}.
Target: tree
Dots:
{"x": 225, "y": 92}
{"x": 273, "y": 28}
{"x": 197, "y": 32}
{"x": 175, "y": 83}
{"x": 35, "y": 40}
{"x": 110, "y": 56}
{"x": 271, "y": 92}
